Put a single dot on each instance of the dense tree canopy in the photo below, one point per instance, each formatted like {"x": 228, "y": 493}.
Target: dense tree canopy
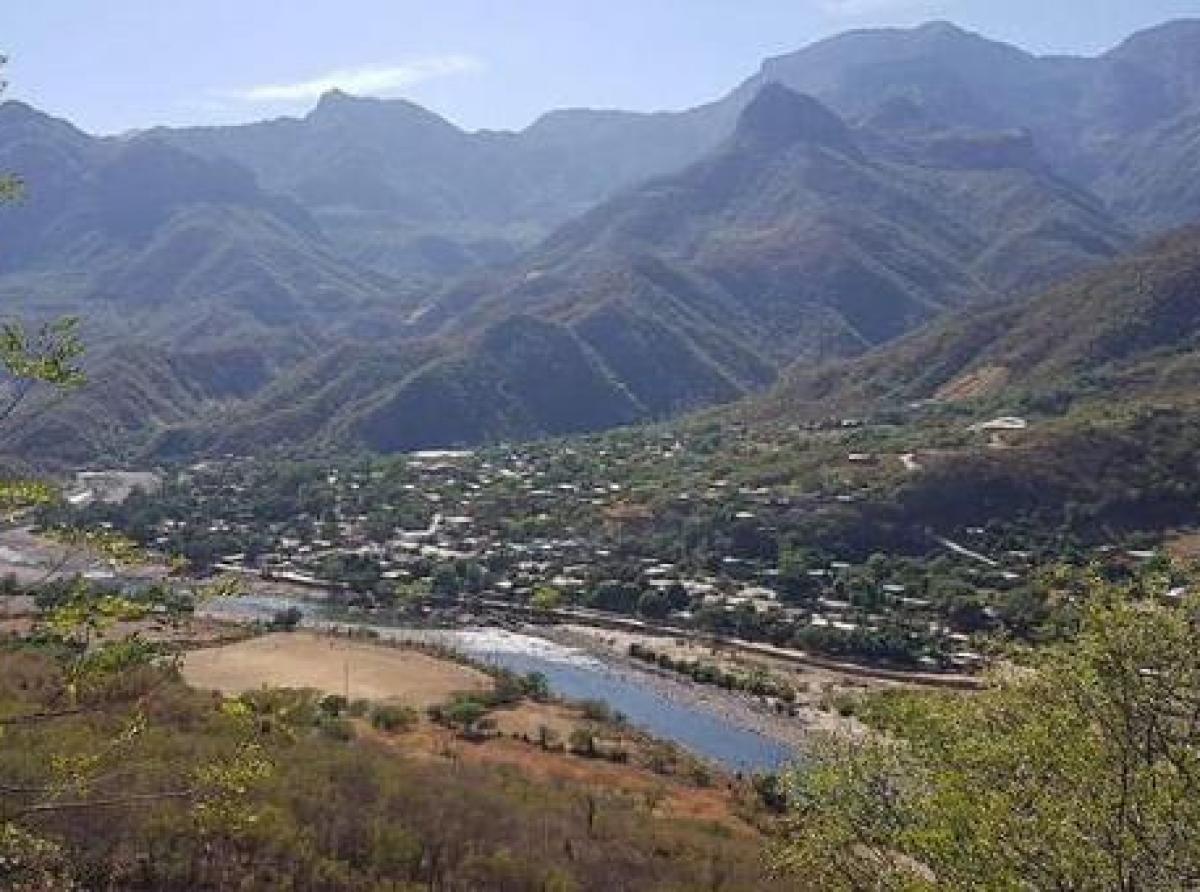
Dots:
{"x": 1081, "y": 771}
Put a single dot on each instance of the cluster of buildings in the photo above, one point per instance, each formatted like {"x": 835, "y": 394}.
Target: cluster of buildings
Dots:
{"x": 515, "y": 523}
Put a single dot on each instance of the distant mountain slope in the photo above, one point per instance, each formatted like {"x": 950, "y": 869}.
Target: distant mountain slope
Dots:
{"x": 183, "y": 248}
{"x": 1081, "y": 112}
{"x": 798, "y": 238}
{"x": 403, "y": 190}
{"x": 132, "y": 391}
{"x": 1130, "y": 330}
{"x": 801, "y": 237}
{"x": 196, "y": 287}
{"x": 800, "y": 213}
{"x": 1154, "y": 181}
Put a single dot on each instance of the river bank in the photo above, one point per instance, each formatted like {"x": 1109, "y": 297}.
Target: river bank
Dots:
{"x": 817, "y": 690}
{"x": 562, "y": 645}
{"x": 711, "y": 723}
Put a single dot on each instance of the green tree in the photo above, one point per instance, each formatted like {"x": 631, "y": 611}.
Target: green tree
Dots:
{"x": 1081, "y": 771}
{"x": 444, "y": 583}
{"x": 92, "y": 659}
{"x": 546, "y": 597}
{"x": 653, "y": 604}
{"x": 583, "y": 742}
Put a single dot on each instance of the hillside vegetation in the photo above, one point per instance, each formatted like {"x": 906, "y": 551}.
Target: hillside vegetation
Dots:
{"x": 313, "y": 809}
{"x": 1126, "y": 331}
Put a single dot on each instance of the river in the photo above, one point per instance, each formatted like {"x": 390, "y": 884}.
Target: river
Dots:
{"x": 711, "y": 724}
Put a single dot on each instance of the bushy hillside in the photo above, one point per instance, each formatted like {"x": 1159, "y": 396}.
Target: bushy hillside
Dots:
{"x": 799, "y": 239}
{"x": 302, "y": 803}
{"x": 1130, "y": 329}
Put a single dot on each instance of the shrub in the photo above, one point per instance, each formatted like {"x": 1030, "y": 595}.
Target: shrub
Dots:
{"x": 583, "y": 743}
{"x": 334, "y": 704}
{"x": 547, "y": 738}
{"x": 286, "y": 620}
{"x": 392, "y": 718}
{"x": 596, "y": 711}
{"x": 336, "y": 728}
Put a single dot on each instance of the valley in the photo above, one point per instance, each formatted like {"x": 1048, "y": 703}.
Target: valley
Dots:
{"x": 818, "y": 538}
{"x": 797, "y": 490}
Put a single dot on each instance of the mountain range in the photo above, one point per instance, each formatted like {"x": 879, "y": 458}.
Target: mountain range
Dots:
{"x": 405, "y": 189}
{"x": 370, "y": 276}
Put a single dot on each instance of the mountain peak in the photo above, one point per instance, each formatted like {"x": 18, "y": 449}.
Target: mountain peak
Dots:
{"x": 1171, "y": 50}
{"x": 1157, "y": 37}
{"x": 19, "y": 119}
{"x": 333, "y": 98}
{"x": 778, "y": 117}
{"x": 340, "y": 109}
{"x": 339, "y": 102}
{"x": 941, "y": 28}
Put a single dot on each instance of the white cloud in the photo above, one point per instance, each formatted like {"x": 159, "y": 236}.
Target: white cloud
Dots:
{"x": 365, "y": 80}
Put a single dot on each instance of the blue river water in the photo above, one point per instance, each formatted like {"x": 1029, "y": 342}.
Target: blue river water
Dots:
{"x": 668, "y": 709}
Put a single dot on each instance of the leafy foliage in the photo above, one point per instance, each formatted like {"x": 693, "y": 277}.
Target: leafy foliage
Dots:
{"x": 48, "y": 355}
{"x": 1077, "y": 772}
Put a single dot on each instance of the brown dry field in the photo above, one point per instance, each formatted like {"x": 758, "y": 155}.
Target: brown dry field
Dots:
{"x": 15, "y": 627}
{"x": 529, "y": 717}
{"x": 323, "y": 663}
{"x": 310, "y": 660}
{"x": 1184, "y": 546}
{"x": 974, "y": 384}
{"x": 672, "y": 797}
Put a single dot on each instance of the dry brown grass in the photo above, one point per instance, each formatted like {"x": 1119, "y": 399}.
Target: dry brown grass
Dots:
{"x": 377, "y": 672}
{"x": 973, "y": 385}
{"x": 326, "y": 663}
{"x": 529, "y": 717}
{"x": 672, "y": 797}
{"x": 1185, "y": 547}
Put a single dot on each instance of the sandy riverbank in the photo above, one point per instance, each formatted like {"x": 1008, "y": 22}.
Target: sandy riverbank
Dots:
{"x": 33, "y": 559}
{"x": 816, "y": 687}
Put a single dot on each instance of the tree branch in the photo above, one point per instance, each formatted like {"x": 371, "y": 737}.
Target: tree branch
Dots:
{"x": 114, "y": 802}
{"x": 34, "y": 718}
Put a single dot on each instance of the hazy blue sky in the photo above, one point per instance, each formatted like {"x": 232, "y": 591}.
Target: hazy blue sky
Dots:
{"x": 120, "y": 64}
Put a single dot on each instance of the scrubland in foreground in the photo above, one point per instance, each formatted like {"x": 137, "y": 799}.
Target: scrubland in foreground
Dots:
{"x": 330, "y": 803}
